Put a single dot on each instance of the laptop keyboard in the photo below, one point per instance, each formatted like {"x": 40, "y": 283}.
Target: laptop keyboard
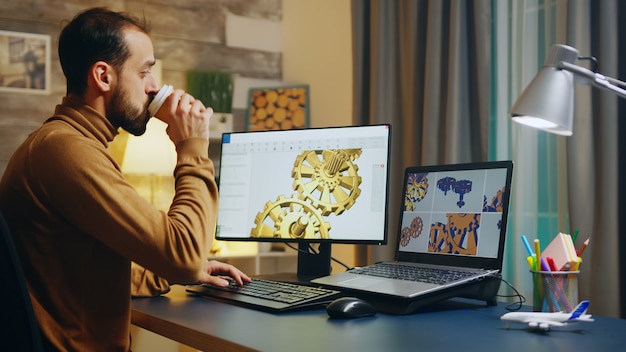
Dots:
{"x": 278, "y": 291}
{"x": 413, "y": 273}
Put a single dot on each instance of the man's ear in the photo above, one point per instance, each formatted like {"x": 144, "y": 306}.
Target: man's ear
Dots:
{"x": 102, "y": 75}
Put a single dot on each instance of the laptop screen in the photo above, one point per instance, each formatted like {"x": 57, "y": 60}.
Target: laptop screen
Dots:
{"x": 455, "y": 211}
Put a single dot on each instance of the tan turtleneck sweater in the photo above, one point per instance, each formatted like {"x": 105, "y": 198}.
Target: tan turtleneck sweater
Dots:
{"x": 78, "y": 224}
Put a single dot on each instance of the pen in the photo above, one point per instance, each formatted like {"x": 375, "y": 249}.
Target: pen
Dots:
{"x": 582, "y": 248}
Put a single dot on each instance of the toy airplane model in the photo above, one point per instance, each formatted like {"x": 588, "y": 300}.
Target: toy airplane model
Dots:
{"x": 544, "y": 321}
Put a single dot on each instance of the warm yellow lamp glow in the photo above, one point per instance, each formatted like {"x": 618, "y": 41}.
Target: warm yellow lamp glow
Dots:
{"x": 153, "y": 153}
{"x": 149, "y": 162}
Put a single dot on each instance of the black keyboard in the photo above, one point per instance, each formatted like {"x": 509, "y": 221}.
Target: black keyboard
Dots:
{"x": 414, "y": 273}
{"x": 269, "y": 295}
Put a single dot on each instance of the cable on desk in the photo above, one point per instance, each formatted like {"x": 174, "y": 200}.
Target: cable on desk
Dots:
{"x": 520, "y": 298}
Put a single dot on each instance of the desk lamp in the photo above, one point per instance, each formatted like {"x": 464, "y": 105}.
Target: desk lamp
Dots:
{"x": 547, "y": 103}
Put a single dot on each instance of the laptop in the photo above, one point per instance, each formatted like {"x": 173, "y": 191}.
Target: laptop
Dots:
{"x": 452, "y": 217}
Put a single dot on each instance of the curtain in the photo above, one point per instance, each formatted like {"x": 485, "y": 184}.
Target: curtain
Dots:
{"x": 523, "y": 31}
{"x": 592, "y": 152}
{"x": 445, "y": 73}
{"x": 561, "y": 184}
{"x": 621, "y": 193}
{"x": 422, "y": 66}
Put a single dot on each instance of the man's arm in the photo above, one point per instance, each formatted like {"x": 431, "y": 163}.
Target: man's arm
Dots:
{"x": 145, "y": 283}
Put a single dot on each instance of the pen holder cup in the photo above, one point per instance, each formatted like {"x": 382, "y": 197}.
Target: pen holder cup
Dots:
{"x": 555, "y": 291}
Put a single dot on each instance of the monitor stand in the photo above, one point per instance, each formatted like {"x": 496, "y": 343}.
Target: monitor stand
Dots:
{"x": 310, "y": 265}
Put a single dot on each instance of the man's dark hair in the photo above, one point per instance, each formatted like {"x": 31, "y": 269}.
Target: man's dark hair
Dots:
{"x": 94, "y": 35}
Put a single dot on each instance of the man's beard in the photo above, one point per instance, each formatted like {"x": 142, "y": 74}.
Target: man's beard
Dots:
{"x": 124, "y": 114}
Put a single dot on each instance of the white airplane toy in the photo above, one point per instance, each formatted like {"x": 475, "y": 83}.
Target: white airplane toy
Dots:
{"x": 544, "y": 321}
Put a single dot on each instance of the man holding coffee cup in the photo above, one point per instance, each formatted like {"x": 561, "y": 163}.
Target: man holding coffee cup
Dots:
{"x": 77, "y": 223}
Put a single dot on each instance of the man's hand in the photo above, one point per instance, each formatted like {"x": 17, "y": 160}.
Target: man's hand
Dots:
{"x": 219, "y": 274}
{"x": 188, "y": 117}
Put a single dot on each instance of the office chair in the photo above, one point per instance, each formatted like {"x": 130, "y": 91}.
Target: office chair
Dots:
{"x": 19, "y": 330}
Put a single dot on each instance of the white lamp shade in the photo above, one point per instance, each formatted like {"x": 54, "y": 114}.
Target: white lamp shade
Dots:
{"x": 152, "y": 153}
{"x": 548, "y": 102}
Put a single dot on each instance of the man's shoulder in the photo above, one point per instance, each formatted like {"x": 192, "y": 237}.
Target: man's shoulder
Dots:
{"x": 58, "y": 133}
{"x": 61, "y": 143}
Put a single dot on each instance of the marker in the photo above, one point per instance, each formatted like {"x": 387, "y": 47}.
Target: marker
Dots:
{"x": 574, "y": 235}
{"x": 544, "y": 264}
{"x": 531, "y": 262}
{"x": 538, "y": 254}
{"x": 525, "y": 241}
{"x": 551, "y": 264}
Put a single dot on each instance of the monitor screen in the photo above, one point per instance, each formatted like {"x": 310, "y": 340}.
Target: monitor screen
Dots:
{"x": 305, "y": 185}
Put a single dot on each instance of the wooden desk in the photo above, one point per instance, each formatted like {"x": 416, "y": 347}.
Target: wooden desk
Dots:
{"x": 453, "y": 325}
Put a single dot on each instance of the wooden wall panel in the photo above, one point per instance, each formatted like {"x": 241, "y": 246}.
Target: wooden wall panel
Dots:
{"x": 187, "y": 35}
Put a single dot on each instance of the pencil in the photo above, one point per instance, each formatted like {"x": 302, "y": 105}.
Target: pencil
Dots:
{"x": 583, "y": 247}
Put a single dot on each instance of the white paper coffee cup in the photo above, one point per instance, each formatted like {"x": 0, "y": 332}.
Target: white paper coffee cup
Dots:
{"x": 159, "y": 99}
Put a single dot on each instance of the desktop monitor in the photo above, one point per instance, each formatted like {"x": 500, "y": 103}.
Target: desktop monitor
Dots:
{"x": 304, "y": 186}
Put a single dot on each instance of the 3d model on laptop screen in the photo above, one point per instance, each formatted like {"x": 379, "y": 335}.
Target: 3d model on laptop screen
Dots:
{"x": 454, "y": 212}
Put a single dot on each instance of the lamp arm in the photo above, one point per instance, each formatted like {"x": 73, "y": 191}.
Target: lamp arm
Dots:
{"x": 616, "y": 82}
{"x": 595, "y": 79}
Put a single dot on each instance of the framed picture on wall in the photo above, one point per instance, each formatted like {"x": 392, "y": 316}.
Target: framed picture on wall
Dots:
{"x": 278, "y": 108}
{"x": 24, "y": 62}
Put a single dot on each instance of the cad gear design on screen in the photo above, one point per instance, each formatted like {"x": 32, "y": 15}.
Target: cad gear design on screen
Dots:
{"x": 335, "y": 174}
{"x": 327, "y": 182}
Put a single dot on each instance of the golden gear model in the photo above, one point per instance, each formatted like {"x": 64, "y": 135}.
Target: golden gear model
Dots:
{"x": 328, "y": 179}
{"x": 290, "y": 218}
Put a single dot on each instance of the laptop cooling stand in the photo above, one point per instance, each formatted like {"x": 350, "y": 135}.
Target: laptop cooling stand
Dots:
{"x": 483, "y": 290}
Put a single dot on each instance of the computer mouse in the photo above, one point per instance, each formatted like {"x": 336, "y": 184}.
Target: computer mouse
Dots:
{"x": 350, "y": 307}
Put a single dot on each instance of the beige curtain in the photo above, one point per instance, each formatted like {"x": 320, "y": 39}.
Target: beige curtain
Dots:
{"x": 422, "y": 66}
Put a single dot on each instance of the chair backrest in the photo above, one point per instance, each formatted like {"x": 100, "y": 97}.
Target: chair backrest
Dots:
{"x": 19, "y": 330}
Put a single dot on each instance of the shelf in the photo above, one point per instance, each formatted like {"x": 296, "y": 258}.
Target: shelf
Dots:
{"x": 247, "y": 257}
{"x": 220, "y": 123}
